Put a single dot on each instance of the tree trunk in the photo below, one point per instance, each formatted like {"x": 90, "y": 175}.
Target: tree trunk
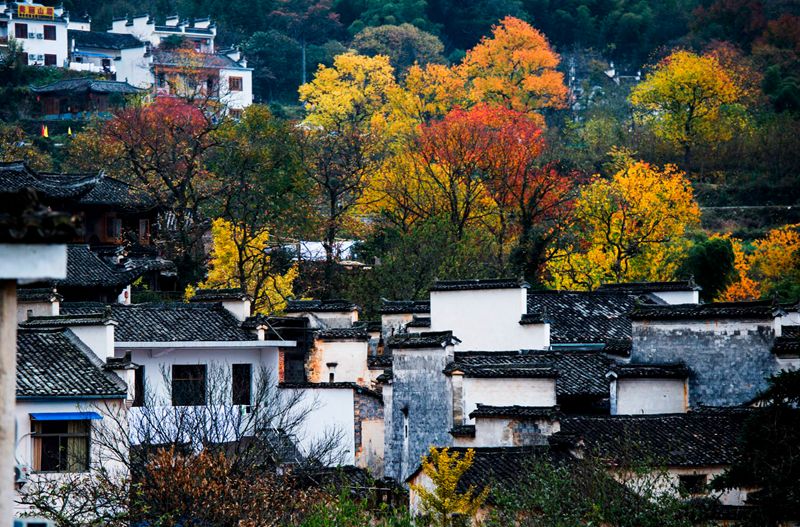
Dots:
{"x": 303, "y": 53}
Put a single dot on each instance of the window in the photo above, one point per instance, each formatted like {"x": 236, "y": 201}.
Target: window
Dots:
{"x": 61, "y": 446}
{"x": 49, "y": 60}
{"x": 49, "y": 32}
{"x": 692, "y": 484}
{"x": 242, "y": 377}
{"x": 144, "y": 230}
{"x": 20, "y": 30}
{"x": 138, "y": 386}
{"x": 235, "y": 114}
{"x": 189, "y": 385}
{"x": 113, "y": 227}
{"x": 106, "y": 63}
{"x": 235, "y": 83}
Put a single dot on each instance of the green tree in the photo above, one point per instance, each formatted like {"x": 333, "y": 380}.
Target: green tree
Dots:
{"x": 711, "y": 263}
{"x": 273, "y": 55}
{"x": 770, "y": 459}
{"x": 404, "y": 45}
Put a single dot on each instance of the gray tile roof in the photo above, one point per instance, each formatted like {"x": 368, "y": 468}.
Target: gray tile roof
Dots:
{"x": 651, "y": 371}
{"x": 578, "y": 373}
{"x": 37, "y": 294}
{"x": 761, "y": 310}
{"x": 54, "y": 363}
{"x": 463, "y": 431}
{"x": 331, "y": 386}
{"x": 77, "y": 189}
{"x": 585, "y": 317}
{"x": 304, "y": 306}
{"x": 404, "y": 306}
{"x": 218, "y": 295}
{"x": 175, "y": 322}
{"x": 343, "y": 333}
{"x": 468, "y": 285}
{"x": 64, "y": 320}
{"x": 103, "y": 40}
{"x": 86, "y": 269}
{"x": 786, "y": 345}
{"x": 379, "y": 362}
{"x": 419, "y": 322}
{"x": 651, "y": 287}
{"x": 691, "y": 439}
{"x": 87, "y": 85}
{"x": 425, "y": 339}
{"x": 516, "y": 412}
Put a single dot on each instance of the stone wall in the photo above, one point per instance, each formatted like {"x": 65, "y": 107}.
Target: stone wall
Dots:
{"x": 729, "y": 359}
{"x": 421, "y": 408}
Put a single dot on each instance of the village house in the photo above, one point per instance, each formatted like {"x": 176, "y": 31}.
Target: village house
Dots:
{"x": 84, "y": 98}
{"x": 40, "y": 30}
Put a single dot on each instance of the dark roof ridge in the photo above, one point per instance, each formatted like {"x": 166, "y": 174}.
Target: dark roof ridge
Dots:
{"x": 341, "y": 385}
{"x": 478, "y": 283}
{"x": 658, "y": 286}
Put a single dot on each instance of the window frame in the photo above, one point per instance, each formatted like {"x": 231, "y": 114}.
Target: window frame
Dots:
{"x": 38, "y": 443}
{"x": 692, "y": 484}
{"x": 49, "y": 28}
{"x": 201, "y": 397}
{"x": 235, "y": 84}
{"x": 18, "y": 33}
{"x": 242, "y": 390}
{"x": 50, "y": 59}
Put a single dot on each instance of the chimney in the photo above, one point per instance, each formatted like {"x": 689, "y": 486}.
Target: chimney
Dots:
{"x": 236, "y": 301}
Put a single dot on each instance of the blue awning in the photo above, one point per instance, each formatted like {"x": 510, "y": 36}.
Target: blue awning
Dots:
{"x": 65, "y": 416}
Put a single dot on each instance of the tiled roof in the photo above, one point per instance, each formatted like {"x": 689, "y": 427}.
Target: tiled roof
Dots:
{"x": 218, "y": 295}
{"x": 331, "y": 386}
{"x": 343, "y": 333}
{"x": 725, "y": 310}
{"x": 790, "y": 331}
{"x": 379, "y": 362}
{"x": 690, "y": 439}
{"x": 303, "y": 306}
{"x": 176, "y": 322}
{"x": 404, "y": 306}
{"x": 425, "y": 339}
{"x": 63, "y": 321}
{"x": 516, "y": 412}
{"x": 54, "y": 363}
{"x": 103, "y": 40}
{"x": 501, "y": 466}
{"x": 87, "y": 85}
{"x": 468, "y": 285}
{"x": 651, "y": 371}
{"x": 532, "y": 318}
{"x": 86, "y": 269}
{"x": 584, "y": 317}
{"x": 463, "y": 431}
{"x": 578, "y": 373}
{"x": 419, "y": 322}
{"x": 786, "y": 345}
{"x": 80, "y": 189}
{"x": 37, "y": 294}
{"x": 196, "y": 60}
{"x": 651, "y": 287}
{"x": 26, "y": 219}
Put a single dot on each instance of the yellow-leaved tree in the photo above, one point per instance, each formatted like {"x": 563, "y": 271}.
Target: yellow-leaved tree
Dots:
{"x": 627, "y": 228}
{"x": 350, "y": 93}
{"x": 442, "y": 500}
{"x": 690, "y": 99}
{"x": 240, "y": 259}
{"x": 772, "y": 260}
{"x": 515, "y": 68}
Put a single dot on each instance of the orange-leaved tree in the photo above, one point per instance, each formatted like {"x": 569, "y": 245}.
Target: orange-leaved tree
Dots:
{"x": 516, "y": 68}
{"x": 628, "y": 228}
{"x": 770, "y": 266}
{"x": 447, "y": 500}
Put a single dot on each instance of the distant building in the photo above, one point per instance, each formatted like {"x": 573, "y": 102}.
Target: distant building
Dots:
{"x": 124, "y": 57}
{"x": 40, "y": 30}
{"x": 82, "y": 98}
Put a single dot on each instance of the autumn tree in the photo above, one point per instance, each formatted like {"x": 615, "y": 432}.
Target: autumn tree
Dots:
{"x": 690, "y": 99}
{"x": 448, "y": 501}
{"x": 340, "y": 150}
{"x": 14, "y": 146}
{"x": 769, "y": 266}
{"x": 515, "y": 68}
{"x": 628, "y": 228}
{"x": 161, "y": 147}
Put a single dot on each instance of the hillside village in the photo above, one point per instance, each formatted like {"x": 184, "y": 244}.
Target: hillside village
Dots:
{"x": 321, "y": 262}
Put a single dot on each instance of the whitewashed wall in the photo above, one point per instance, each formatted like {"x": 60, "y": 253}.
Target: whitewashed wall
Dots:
{"x": 507, "y": 392}
{"x": 651, "y": 396}
{"x": 350, "y": 357}
{"x": 487, "y": 319}
{"x": 678, "y": 297}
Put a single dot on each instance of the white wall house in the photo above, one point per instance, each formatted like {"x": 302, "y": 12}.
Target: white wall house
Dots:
{"x": 39, "y": 29}
{"x": 123, "y": 56}
{"x": 487, "y": 315}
